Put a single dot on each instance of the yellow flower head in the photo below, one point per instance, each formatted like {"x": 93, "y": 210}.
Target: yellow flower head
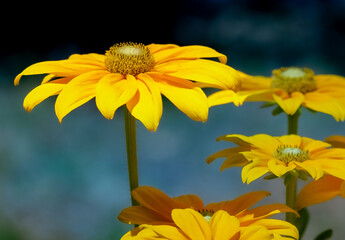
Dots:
{"x": 290, "y": 88}
{"x": 191, "y": 225}
{"x": 135, "y": 75}
{"x": 261, "y": 154}
{"x": 156, "y": 207}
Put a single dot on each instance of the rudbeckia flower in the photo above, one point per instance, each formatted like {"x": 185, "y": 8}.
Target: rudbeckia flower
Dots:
{"x": 156, "y": 207}
{"x": 191, "y": 225}
{"x": 135, "y": 75}
{"x": 290, "y": 88}
{"x": 320, "y": 191}
{"x": 261, "y": 154}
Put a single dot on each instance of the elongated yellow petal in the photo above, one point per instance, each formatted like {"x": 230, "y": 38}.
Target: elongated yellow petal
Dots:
{"x": 164, "y": 232}
{"x": 318, "y": 191}
{"x": 336, "y": 141}
{"x": 78, "y": 91}
{"x": 187, "y": 52}
{"x": 278, "y": 169}
{"x": 291, "y": 104}
{"x": 62, "y": 68}
{"x": 146, "y": 105}
{"x": 252, "y": 172}
{"x": 191, "y": 101}
{"x": 223, "y": 226}
{"x": 279, "y": 227}
{"x": 211, "y": 73}
{"x": 112, "y": 92}
{"x": 312, "y": 167}
{"x": 325, "y": 103}
{"x": 255, "y": 232}
{"x": 42, "y": 92}
{"x": 160, "y": 47}
{"x": 192, "y": 224}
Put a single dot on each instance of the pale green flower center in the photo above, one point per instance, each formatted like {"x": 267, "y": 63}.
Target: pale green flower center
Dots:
{"x": 207, "y": 214}
{"x": 129, "y": 58}
{"x": 293, "y": 79}
{"x": 288, "y": 154}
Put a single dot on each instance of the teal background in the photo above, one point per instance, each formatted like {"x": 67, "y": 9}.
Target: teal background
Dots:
{"x": 69, "y": 181}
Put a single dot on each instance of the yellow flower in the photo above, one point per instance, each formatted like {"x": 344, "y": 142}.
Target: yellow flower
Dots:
{"x": 135, "y": 75}
{"x": 261, "y": 154}
{"x": 290, "y": 88}
{"x": 320, "y": 191}
{"x": 156, "y": 207}
{"x": 191, "y": 225}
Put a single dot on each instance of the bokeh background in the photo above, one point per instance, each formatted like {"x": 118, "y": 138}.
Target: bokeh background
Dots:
{"x": 69, "y": 181}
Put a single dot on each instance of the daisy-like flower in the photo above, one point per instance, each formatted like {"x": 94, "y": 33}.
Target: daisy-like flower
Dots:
{"x": 261, "y": 154}
{"x": 156, "y": 207}
{"x": 135, "y": 75}
{"x": 290, "y": 88}
{"x": 191, "y": 225}
{"x": 320, "y": 191}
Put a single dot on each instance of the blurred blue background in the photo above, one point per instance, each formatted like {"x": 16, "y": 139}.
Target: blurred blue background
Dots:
{"x": 69, "y": 181}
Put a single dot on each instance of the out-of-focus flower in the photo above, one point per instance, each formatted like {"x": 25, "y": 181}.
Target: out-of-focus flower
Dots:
{"x": 261, "y": 154}
{"x": 290, "y": 88}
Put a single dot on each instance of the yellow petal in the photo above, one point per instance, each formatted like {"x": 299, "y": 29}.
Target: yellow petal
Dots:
{"x": 279, "y": 227}
{"x": 164, "y": 232}
{"x": 223, "y": 226}
{"x": 222, "y": 97}
{"x": 255, "y": 232}
{"x": 266, "y": 211}
{"x": 291, "y": 104}
{"x": 78, "y": 91}
{"x": 278, "y": 168}
{"x": 192, "y": 224}
{"x": 191, "y": 101}
{"x": 187, "y": 52}
{"x": 325, "y": 103}
{"x": 208, "y": 72}
{"x": 253, "y": 171}
{"x": 62, "y": 68}
{"x": 318, "y": 191}
{"x": 146, "y": 105}
{"x": 312, "y": 167}
{"x": 333, "y": 167}
{"x": 42, "y": 92}
{"x": 160, "y": 47}
{"x": 113, "y": 91}
{"x": 290, "y": 140}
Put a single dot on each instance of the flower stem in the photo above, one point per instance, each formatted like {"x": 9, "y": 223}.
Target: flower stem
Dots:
{"x": 131, "y": 145}
{"x": 291, "y": 179}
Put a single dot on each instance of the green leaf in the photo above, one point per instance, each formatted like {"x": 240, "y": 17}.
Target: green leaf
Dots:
{"x": 302, "y": 221}
{"x": 277, "y": 110}
{"x": 325, "y": 235}
{"x": 270, "y": 177}
{"x": 268, "y": 104}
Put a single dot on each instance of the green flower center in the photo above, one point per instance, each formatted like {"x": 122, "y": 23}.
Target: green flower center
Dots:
{"x": 293, "y": 79}
{"x": 129, "y": 58}
{"x": 288, "y": 154}
{"x": 206, "y": 213}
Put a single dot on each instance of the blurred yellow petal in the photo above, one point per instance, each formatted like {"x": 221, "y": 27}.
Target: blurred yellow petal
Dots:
{"x": 319, "y": 191}
{"x": 279, "y": 227}
{"x": 291, "y": 104}
{"x": 143, "y": 215}
{"x": 337, "y": 141}
{"x": 190, "y": 201}
{"x": 313, "y": 168}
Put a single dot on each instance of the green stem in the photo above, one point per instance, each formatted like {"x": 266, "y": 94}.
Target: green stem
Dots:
{"x": 130, "y": 129}
{"x": 291, "y": 179}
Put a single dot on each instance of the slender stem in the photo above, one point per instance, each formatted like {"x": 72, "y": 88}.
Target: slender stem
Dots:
{"x": 291, "y": 179}
{"x": 290, "y": 197}
{"x": 130, "y": 129}
{"x": 293, "y": 122}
